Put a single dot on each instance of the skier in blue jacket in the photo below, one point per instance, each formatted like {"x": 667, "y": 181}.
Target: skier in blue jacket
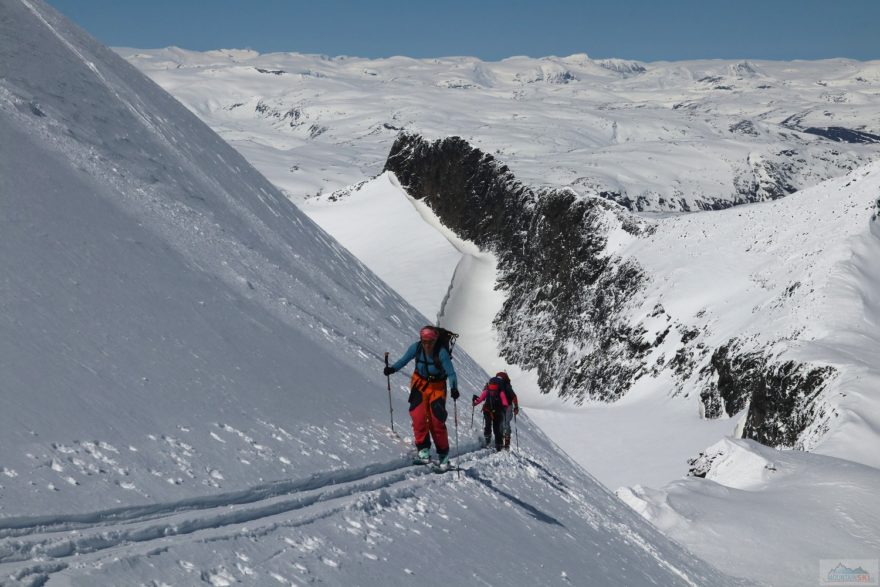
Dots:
{"x": 427, "y": 397}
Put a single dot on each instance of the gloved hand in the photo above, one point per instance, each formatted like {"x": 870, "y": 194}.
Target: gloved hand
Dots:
{"x": 515, "y": 410}
{"x": 388, "y": 371}
{"x": 474, "y": 400}
{"x": 455, "y": 393}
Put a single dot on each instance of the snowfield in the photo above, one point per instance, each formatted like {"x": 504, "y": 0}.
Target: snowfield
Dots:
{"x": 191, "y": 384}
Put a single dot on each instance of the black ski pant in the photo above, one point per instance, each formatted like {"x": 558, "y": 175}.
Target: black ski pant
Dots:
{"x": 492, "y": 423}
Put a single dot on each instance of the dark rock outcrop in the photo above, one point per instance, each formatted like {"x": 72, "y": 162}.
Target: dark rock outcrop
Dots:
{"x": 843, "y": 135}
{"x": 564, "y": 294}
{"x": 780, "y": 397}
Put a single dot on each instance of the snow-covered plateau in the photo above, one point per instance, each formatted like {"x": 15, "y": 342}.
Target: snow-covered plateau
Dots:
{"x": 653, "y": 136}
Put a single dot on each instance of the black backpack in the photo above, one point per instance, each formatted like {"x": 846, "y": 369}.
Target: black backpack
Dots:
{"x": 445, "y": 339}
{"x": 493, "y": 395}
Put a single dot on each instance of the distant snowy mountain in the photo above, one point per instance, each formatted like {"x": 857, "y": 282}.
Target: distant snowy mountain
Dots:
{"x": 652, "y": 136}
{"x": 191, "y": 379}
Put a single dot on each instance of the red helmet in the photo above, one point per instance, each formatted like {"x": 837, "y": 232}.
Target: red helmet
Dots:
{"x": 428, "y": 333}
{"x": 502, "y": 375}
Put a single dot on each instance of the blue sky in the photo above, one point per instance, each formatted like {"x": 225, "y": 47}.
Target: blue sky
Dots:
{"x": 648, "y": 30}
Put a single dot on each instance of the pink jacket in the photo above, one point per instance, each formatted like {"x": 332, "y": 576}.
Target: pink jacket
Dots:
{"x": 485, "y": 393}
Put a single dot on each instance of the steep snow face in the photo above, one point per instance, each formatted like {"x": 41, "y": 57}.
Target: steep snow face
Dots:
{"x": 191, "y": 380}
{"x": 159, "y": 290}
{"x": 382, "y": 225}
{"x": 652, "y": 136}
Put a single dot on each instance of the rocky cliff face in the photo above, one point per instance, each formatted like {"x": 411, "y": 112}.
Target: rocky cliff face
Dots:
{"x": 566, "y": 296}
{"x": 780, "y": 397}
{"x": 564, "y": 292}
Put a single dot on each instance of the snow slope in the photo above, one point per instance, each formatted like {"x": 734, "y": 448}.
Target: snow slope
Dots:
{"x": 382, "y": 225}
{"x": 191, "y": 379}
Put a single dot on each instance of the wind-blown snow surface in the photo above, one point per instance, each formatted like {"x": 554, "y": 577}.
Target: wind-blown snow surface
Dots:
{"x": 781, "y": 511}
{"x": 655, "y": 136}
{"x": 190, "y": 383}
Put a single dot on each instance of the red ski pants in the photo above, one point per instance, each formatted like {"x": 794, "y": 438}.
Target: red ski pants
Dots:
{"x": 427, "y": 408}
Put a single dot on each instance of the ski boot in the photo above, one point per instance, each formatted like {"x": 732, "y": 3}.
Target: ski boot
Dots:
{"x": 442, "y": 465}
{"x": 423, "y": 458}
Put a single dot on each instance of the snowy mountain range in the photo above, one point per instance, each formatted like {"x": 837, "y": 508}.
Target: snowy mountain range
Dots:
{"x": 651, "y": 136}
{"x": 191, "y": 380}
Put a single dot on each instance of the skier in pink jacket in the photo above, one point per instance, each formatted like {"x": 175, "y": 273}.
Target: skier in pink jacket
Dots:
{"x": 494, "y": 410}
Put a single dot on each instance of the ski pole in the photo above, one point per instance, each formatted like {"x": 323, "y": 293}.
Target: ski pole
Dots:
{"x": 516, "y": 431}
{"x": 473, "y": 409}
{"x": 390, "y": 406}
{"x": 457, "y": 453}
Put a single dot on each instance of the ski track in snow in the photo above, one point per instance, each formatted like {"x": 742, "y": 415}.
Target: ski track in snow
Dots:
{"x": 90, "y": 538}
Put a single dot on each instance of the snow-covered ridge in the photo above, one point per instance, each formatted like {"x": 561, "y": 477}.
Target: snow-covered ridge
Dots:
{"x": 652, "y": 136}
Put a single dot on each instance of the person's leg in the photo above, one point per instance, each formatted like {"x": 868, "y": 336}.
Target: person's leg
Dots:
{"x": 437, "y": 421}
{"x": 496, "y": 426}
{"x": 418, "y": 412}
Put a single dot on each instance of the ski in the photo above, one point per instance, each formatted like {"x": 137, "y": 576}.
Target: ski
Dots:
{"x": 435, "y": 466}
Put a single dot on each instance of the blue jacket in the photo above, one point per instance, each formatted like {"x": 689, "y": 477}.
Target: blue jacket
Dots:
{"x": 425, "y": 365}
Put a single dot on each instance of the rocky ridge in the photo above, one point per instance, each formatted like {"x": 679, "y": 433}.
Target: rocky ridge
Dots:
{"x": 567, "y": 297}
